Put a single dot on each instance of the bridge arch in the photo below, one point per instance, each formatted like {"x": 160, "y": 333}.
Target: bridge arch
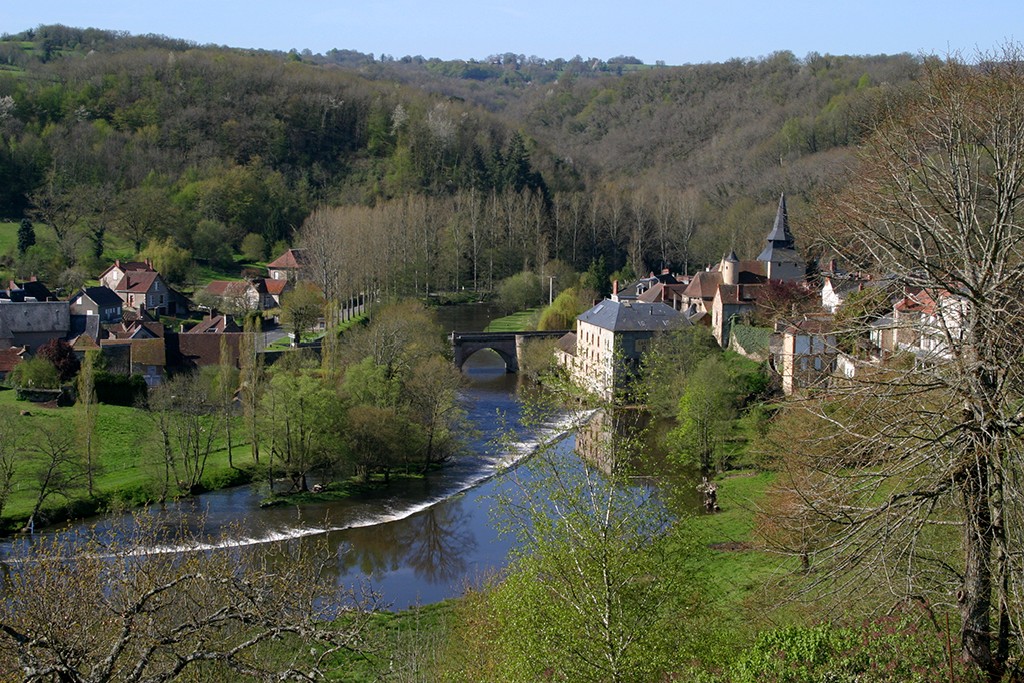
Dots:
{"x": 511, "y": 363}
{"x": 505, "y": 344}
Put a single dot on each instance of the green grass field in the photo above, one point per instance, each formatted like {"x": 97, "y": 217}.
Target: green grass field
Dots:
{"x": 129, "y": 458}
{"x": 517, "y": 322}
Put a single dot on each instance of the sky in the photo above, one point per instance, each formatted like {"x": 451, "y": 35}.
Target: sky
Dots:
{"x": 673, "y": 31}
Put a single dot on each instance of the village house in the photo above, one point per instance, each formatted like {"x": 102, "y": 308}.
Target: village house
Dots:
{"x": 241, "y": 296}
{"x": 144, "y": 357}
{"x": 118, "y": 269}
{"x": 142, "y": 288}
{"x": 30, "y": 290}
{"x": 634, "y": 290}
{"x": 292, "y": 265}
{"x": 928, "y": 323}
{"x": 610, "y": 340}
{"x": 807, "y": 353}
{"x": 101, "y": 302}
{"x": 32, "y": 323}
{"x": 214, "y": 324}
{"x": 719, "y": 295}
{"x": 193, "y": 351}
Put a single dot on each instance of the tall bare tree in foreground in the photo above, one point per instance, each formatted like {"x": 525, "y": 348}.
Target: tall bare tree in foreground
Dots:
{"x": 913, "y": 473}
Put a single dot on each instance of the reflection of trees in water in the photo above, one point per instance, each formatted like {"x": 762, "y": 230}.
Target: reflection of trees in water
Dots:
{"x": 438, "y": 542}
{"x": 432, "y": 543}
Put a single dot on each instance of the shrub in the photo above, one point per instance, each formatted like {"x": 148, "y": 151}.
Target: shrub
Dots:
{"x": 37, "y": 373}
{"x": 120, "y": 390}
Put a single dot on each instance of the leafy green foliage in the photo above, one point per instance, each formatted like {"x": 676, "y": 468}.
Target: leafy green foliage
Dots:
{"x": 519, "y": 292}
{"x": 668, "y": 364}
{"x": 561, "y": 314}
{"x": 35, "y": 372}
{"x": 26, "y": 235}
{"x": 704, "y": 410}
{"x": 173, "y": 262}
{"x": 895, "y": 649}
{"x": 597, "y": 592}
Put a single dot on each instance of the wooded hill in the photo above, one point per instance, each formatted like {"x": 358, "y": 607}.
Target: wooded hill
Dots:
{"x": 153, "y": 138}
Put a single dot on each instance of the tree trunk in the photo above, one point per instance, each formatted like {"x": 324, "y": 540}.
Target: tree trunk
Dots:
{"x": 975, "y": 595}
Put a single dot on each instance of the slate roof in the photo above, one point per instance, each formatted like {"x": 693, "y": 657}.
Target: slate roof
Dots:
{"x": 33, "y": 288}
{"x": 632, "y": 316}
{"x": 567, "y": 343}
{"x": 88, "y": 325}
{"x": 103, "y": 297}
{"x": 781, "y": 245}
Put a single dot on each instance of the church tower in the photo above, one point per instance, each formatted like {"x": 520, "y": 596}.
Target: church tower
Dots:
{"x": 781, "y": 259}
{"x": 730, "y": 269}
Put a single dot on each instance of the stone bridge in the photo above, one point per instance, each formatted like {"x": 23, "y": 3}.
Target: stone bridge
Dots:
{"x": 508, "y": 345}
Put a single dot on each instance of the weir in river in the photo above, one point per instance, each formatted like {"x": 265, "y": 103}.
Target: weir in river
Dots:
{"x": 422, "y": 541}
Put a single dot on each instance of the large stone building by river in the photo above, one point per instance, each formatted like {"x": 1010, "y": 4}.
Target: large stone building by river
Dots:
{"x": 610, "y": 339}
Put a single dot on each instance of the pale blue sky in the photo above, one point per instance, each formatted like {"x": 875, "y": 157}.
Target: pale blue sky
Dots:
{"x": 678, "y": 32}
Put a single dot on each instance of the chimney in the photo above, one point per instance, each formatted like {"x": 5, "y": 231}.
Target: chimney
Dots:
{"x": 832, "y": 265}
{"x": 615, "y": 287}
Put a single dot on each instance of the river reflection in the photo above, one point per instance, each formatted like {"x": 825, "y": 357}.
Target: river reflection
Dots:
{"x": 432, "y": 544}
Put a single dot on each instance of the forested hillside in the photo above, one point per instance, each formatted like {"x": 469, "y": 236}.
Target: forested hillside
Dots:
{"x": 154, "y": 141}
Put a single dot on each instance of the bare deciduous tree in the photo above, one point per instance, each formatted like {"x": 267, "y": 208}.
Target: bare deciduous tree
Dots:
{"x": 94, "y": 611}
{"x": 916, "y": 466}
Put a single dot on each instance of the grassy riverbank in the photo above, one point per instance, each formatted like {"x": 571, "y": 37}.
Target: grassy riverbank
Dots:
{"x": 516, "y": 322}
{"x": 129, "y": 469}
{"x": 419, "y": 639}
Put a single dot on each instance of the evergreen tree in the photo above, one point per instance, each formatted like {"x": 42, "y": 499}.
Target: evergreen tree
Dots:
{"x": 26, "y": 236}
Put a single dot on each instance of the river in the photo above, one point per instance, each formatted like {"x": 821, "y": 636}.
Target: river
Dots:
{"x": 422, "y": 543}
{"x": 425, "y": 541}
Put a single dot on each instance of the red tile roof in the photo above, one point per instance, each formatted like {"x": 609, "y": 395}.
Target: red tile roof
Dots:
{"x": 10, "y": 357}
{"x": 137, "y": 281}
{"x": 291, "y": 259}
{"x": 275, "y": 287}
{"x": 126, "y": 266}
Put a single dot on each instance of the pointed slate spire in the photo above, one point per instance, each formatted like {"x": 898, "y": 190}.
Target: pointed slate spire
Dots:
{"x": 780, "y": 239}
{"x": 780, "y": 230}
{"x": 731, "y": 256}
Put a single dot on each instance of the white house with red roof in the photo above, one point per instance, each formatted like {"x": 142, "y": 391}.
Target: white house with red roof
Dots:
{"x": 929, "y": 323}
{"x": 113, "y": 275}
